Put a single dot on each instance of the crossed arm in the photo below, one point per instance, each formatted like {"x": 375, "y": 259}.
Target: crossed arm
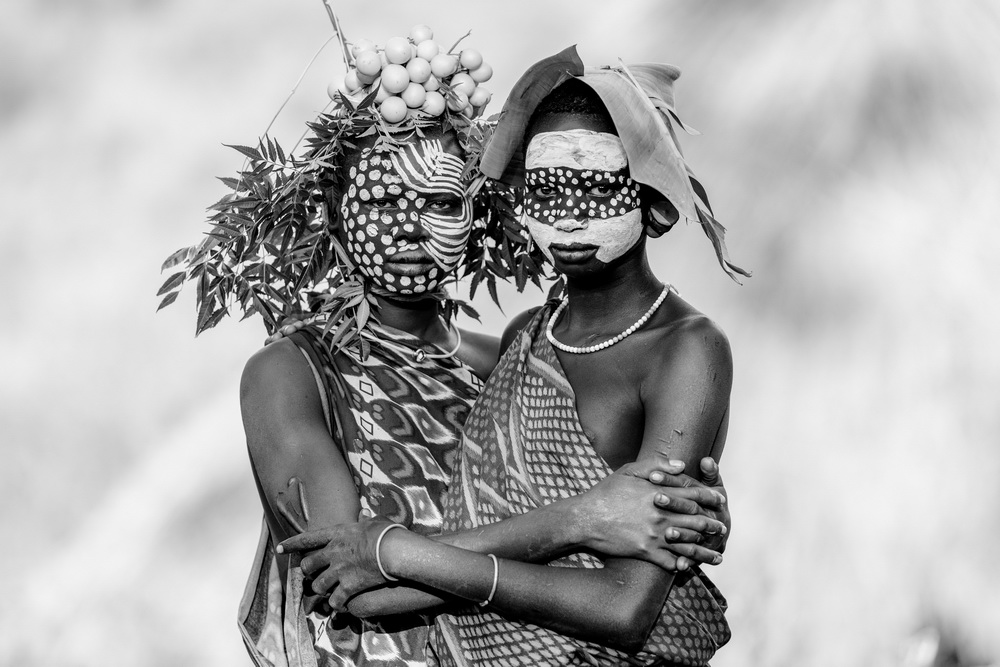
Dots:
{"x": 686, "y": 403}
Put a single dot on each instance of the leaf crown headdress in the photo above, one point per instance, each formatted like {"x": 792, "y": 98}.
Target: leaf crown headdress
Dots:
{"x": 272, "y": 247}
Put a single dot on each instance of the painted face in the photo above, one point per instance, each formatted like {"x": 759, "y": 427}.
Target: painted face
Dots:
{"x": 407, "y": 217}
{"x": 580, "y": 196}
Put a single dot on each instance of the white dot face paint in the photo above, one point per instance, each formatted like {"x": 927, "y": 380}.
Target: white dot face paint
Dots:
{"x": 393, "y": 196}
{"x": 579, "y": 193}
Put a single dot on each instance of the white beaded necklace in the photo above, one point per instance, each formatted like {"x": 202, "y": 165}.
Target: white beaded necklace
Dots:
{"x": 611, "y": 341}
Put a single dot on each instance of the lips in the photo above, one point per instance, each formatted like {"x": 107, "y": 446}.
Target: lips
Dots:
{"x": 573, "y": 253}
{"x": 410, "y": 262}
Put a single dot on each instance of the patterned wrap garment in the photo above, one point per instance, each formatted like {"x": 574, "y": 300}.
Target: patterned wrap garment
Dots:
{"x": 399, "y": 436}
{"x": 523, "y": 447}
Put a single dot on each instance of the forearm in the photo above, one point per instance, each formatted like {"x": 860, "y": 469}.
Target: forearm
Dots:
{"x": 538, "y": 536}
{"x": 614, "y": 606}
{"x": 401, "y": 599}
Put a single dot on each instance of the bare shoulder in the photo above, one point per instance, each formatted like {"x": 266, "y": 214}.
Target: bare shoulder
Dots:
{"x": 481, "y": 351}
{"x": 687, "y": 338}
{"x": 280, "y": 363}
{"x": 514, "y": 327}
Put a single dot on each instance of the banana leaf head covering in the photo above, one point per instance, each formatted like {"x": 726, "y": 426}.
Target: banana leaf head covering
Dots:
{"x": 640, "y": 101}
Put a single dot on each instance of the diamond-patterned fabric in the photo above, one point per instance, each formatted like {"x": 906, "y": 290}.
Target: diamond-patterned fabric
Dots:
{"x": 408, "y": 415}
{"x": 523, "y": 447}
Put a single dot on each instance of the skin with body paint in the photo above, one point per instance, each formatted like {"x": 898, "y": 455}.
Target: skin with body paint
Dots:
{"x": 407, "y": 216}
{"x": 580, "y": 202}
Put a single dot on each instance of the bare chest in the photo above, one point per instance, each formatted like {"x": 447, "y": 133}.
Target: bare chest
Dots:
{"x": 608, "y": 403}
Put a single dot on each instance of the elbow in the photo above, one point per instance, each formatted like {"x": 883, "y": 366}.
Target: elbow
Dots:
{"x": 632, "y": 621}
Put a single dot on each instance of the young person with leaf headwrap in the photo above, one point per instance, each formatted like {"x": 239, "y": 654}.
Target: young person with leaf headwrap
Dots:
{"x": 360, "y": 413}
{"x": 620, "y": 370}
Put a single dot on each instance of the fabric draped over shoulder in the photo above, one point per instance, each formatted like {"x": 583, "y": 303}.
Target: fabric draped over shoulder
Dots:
{"x": 396, "y": 421}
{"x": 640, "y": 100}
{"x": 524, "y": 447}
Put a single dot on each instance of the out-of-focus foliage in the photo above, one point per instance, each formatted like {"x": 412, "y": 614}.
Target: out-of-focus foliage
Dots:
{"x": 849, "y": 147}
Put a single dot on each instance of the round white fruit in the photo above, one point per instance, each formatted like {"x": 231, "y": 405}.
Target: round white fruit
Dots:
{"x": 397, "y": 50}
{"x": 414, "y": 95}
{"x": 482, "y": 73}
{"x": 361, "y": 46}
{"x": 432, "y": 83}
{"x": 480, "y": 97}
{"x": 368, "y": 63}
{"x": 421, "y": 33}
{"x": 427, "y": 49}
{"x": 395, "y": 79}
{"x": 463, "y": 83}
{"x": 457, "y": 100}
{"x": 443, "y": 65}
{"x": 393, "y": 109}
{"x": 351, "y": 81}
{"x": 418, "y": 69}
{"x": 470, "y": 59}
{"x": 433, "y": 103}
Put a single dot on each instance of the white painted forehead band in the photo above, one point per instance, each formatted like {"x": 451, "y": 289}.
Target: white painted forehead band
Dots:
{"x": 577, "y": 149}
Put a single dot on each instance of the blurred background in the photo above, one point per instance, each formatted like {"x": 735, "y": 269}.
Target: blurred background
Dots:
{"x": 850, "y": 147}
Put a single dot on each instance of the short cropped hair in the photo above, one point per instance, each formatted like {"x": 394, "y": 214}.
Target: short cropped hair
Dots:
{"x": 573, "y": 98}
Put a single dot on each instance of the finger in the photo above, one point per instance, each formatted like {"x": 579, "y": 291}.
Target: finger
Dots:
{"x": 695, "y": 553}
{"x": 312, "y": 564}
{"x": 674, "y": 480}
{"x": 703, "y": 496}
{"x": 364, "y": 514}
{"x": 675, "y": 534}
{"x": 338, "y": 599}
{"x": 304, "y": 542}
{"x": 657, "y": 468}
{"x": 675, "y": 504}
{"x": 325, "y": 582}
{"x": 696, "y": 522}
{"x": 663, "y": 558}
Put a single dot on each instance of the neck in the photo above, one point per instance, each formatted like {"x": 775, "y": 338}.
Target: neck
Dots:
{"x": 418, "y": 318}
{"x": 623, "y": 289}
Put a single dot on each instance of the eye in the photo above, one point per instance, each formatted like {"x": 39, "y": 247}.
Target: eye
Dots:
{"x": 600, "y": 190}
{"x": 384, "y": 202}
{"x": 544, "y": 192}
{"x": 445, "y": 205}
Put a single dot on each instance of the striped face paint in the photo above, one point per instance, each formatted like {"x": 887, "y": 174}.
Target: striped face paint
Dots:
{"x": 411, "y": 204}
{"x": 579, "y": 193}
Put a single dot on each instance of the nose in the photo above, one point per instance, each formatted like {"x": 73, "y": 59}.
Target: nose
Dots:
{"x": 569, "y": 224}
{"x": 411, "y": 229}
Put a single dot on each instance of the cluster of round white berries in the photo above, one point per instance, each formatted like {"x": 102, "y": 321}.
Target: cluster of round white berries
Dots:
{"x": 414, "y": 75}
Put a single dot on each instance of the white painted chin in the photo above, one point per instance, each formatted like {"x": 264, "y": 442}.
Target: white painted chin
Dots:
{"x": 613, "y": 236}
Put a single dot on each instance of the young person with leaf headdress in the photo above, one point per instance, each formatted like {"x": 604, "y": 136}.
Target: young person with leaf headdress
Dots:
{"x": 620, "y": 370}
{"x": 361, "y": 411}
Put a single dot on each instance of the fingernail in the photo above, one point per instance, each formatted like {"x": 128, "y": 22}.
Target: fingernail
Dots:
{"x": 671, "y": 534}
{"x": 717, "y": 560}
{"x": 656, "y": 477}
{"x": 662, "y": 499}
{"x": 682, "y": 565}
{"x": 675, "y": 463}
{"x": 280, "y": 549}
{"x": 722, "y": 498}
{"x": 724, "y": 530}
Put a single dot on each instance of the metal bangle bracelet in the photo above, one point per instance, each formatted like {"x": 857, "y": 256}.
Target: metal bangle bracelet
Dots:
{"x": 378, "y": 550}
